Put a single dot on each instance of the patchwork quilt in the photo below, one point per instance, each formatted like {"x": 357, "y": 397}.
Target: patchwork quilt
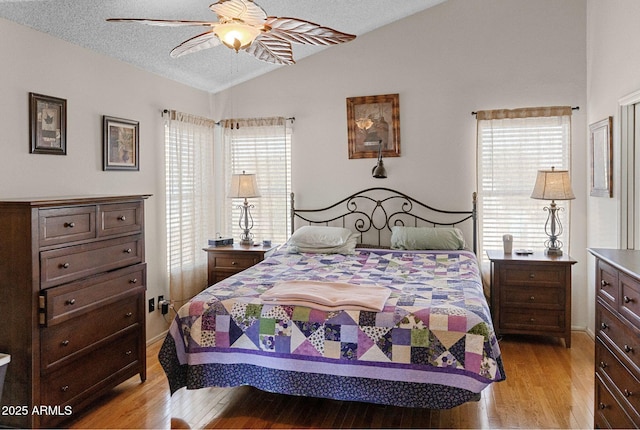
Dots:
{"x": 432, "y": 345}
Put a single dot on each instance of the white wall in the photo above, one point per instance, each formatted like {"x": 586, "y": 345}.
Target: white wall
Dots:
{"x": 445, "y": 62}
{"x": 93, "y": 86}
{"x": 613, "y": 68}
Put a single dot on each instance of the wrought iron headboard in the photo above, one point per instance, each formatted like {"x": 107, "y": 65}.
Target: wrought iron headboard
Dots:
{"x": 378, "y": 209}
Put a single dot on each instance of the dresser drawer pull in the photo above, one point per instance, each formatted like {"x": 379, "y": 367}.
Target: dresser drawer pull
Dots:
{"x": 64, "y": 388}
{"x": 122, "y": 218}
{"x": 128, "y": 251}
{"x": 133, "y": 281}
{"x": 234, "y": 263}
{"x": 627, "y": 348}
{"x": 65, "y": 342}
{"x": 128, "y": 314}
{"x": 628, "y": 299}
{"x": 532, "y": 298}
{"x": 602, "y": 406}
{"x": 627, "y": 393}
{"x": 69, "y": 224}
{"x": 129, "y": 352}
{"x": 70, "y": 302}
{"x": 604, "y": 326}
{"x": 604, "y": 283}
{"x": 532, "y": 320}
{"x": 64, "y": 266}
{"x": 532, "y": 275}
{"x": 603, "y": 365}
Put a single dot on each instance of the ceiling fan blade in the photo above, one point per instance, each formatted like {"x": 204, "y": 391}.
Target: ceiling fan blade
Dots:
{"x": 164, "y": 22}
{"x": 245, "y": 10}
{"x": 198, "y": 43}
{"x": 305, "y": 32}
{"x": 271, "y": 50}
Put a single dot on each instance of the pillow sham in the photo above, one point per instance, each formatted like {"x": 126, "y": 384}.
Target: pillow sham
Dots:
{"x": 319, "y": 236}
{"x": 323, "y": 240}
{"x": 418, "y": 238}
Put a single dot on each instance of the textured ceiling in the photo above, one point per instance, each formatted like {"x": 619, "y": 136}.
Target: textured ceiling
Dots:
{"x": 82, "y": 22}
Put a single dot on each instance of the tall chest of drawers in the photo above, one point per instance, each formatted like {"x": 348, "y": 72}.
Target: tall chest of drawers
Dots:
{"x": 73, "y": 281}
{"x": 617, "y": 348}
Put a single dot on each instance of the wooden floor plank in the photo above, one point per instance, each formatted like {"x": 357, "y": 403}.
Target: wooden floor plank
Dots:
{"x": 548, "y": 386}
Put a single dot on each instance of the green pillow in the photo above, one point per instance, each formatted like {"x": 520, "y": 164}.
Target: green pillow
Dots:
{"x": 415, "y": 238}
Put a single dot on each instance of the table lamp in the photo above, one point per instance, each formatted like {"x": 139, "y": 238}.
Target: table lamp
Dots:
{"x": 244, "y": 186}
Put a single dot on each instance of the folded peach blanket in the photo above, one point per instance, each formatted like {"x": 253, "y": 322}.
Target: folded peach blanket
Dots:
{"x": 327, "y": 296}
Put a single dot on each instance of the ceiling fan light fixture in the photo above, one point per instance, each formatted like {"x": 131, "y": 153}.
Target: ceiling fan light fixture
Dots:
{"x": 236, "y": 35}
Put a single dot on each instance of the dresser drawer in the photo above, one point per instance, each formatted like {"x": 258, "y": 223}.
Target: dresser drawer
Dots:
{"x": 549, "y": 298}
{"x": 532, "y": 319}
{"x": 627, "y": 386}
{"x": 234, "y": 262}
{"x": 621, "y": 338}
{"x": 71, "y": 224}
{"x": 63, "y": 265}
{"x": 73, "y": 336}
{"x": 540, "y": 275}
{"x": 608, "y": 412}
{"x": 607, "y": 283}
{"x": 77, "y": 298}
{"x": 93, "y": 371}
{"x": 120, "y": 218}
{"x": 629, "y": 301}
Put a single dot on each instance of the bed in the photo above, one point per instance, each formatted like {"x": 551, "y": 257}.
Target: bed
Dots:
{"x": 429, "y": 343}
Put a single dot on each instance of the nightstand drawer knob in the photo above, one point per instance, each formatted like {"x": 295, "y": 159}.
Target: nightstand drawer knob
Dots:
{"x": 532, "y": 275}
{"x": 532, "y": 298}
{"x": 627, "y": 348}
{"x": 64, "y": 343}
{"x": 69, "y": 224}
{"x": 70, "y": 302}
{"x": 234, "y": 263}
{"x": 64, "y": 388}
{"x": 133, "y": 281}
{"x": 122, "y": 218}
{"x": 128, "y": 251}
{"x": 532, "y": 320}
{"x": 627, "y": 299}
{"x": 64, "y": 265}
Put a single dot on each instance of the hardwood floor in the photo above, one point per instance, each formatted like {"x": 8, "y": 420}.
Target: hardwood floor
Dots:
{"x": 547, "y": 386}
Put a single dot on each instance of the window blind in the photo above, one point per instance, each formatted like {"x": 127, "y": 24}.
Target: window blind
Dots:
{"x": 261, "y": 146}
{"x": 510, "y": 152}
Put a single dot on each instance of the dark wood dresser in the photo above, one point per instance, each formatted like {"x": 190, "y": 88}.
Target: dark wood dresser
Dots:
{"x": 226, "y": 260}
{"x": 617, "y": 349}
{"x": 531, "y": 294}
{"x": 73, "y": 281}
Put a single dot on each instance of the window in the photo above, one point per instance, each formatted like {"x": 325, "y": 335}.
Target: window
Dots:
{"x": 512, "y": 146}
{"x": 261, "y": 146}
{"x": 189, "y": 202}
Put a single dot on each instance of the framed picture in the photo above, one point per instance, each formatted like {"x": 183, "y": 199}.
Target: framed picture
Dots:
{"x": 601, "y": 145}
{"x": 373, "y": 121}
{"x": 120, "y": 140}
{"x": 47, "y": 125}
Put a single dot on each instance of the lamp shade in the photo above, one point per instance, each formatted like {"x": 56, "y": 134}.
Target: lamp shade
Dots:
{"x": 553, "y": 185}
{"x": 243, "y": 185}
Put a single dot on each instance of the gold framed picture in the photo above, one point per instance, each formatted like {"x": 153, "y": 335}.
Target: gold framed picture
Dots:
{"x": 373, "y": 124}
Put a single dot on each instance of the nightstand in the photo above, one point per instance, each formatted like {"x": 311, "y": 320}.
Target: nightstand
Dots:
{"x": 531, "y": 294}
{"x": 224, "y": 261}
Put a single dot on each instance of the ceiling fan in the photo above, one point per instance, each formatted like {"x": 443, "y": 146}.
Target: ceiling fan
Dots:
{"x": 243, "y": 25}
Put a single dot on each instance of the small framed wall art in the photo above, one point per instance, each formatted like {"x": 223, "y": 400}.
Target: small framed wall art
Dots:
{"x": 373, "y": 122}
{"x": 601, "y": 147}
{"x": 47, "y": 124}
{"x": 120, "y": 140}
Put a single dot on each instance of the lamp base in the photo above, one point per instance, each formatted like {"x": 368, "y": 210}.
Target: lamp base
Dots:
{"x": 246, "y": 242}
{"x": 553, "y": 251}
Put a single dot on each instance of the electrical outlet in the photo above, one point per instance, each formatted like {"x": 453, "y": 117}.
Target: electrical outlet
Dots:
{"x": 160, "y": 300}
{"x": 152, "y": 304}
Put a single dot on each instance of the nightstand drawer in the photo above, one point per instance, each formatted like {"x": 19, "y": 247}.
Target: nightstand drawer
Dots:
{"x": 541, "y": 275}
{"x": 234, "y": 262}
{"x": 548, "y": 298}
{"x": 532, "y": 319}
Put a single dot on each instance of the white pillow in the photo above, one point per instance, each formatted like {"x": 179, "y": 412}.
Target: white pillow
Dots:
{"x": 319, "y": 236}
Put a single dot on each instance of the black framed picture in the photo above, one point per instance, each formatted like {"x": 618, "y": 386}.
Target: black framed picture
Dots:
{"x": 121, "y": 142}
{"x": 47, "y": 124}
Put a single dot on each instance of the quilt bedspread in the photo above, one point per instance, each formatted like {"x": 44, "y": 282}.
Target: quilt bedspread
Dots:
{"x": 432, "y": 345}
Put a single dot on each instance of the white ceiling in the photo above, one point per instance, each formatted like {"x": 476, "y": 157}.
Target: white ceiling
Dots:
{"x": 82, "y": 22}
